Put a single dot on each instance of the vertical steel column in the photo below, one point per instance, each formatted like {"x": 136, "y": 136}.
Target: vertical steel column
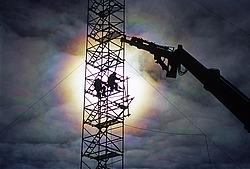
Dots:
{"x": 106, "y": 98}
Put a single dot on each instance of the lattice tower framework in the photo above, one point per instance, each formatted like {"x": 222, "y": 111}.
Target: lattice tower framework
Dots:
{"x": 106, "y": 98}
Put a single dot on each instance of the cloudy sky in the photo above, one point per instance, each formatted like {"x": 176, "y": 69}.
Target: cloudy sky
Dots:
{"x": 176, "y": 125}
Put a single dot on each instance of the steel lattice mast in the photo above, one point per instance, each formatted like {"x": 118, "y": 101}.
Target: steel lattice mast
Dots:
{"x": 106, "y": 99}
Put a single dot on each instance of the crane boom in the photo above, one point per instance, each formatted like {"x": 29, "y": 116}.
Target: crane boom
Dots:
{"x": 223, "y": 90}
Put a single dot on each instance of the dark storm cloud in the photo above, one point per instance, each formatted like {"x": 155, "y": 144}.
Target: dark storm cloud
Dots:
{"x": 204, "y": 32}
{"x": 40, "y": 18}
{"x": 217, "y": 34}
{"x": 38, "y": 155}
{"x": 212, "y": 39}
{"x": 34, "y": 34}
{"x": 49, "y": 21}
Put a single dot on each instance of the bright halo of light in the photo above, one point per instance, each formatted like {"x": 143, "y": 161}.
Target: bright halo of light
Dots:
{"x": 73, "y": 87}
{"x": 139, "y": 87}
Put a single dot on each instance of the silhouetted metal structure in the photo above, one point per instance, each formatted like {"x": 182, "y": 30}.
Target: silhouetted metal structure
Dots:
{"x": 106, "y": 99}
{"x": 171, "y": 60}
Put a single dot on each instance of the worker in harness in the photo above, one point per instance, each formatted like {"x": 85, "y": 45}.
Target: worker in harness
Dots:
{"x": 112, "y": 82}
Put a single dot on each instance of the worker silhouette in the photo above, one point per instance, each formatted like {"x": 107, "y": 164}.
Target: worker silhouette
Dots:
{"x": 112, "y": 82}
{"x": 100, "y": 88}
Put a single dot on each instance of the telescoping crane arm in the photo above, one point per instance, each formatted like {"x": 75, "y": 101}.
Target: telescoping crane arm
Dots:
{"x": 223, "y": 90}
